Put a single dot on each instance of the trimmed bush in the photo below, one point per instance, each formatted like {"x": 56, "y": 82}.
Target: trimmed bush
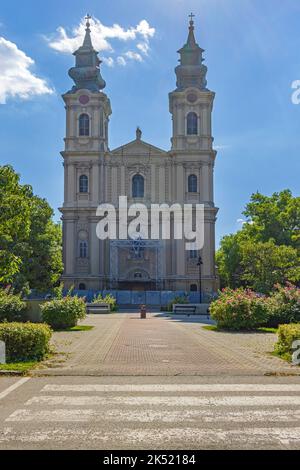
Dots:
{"x": 12, "y": 307}
{"x": 25, "y": 341}
{"x": 284, "y": 305}
{"x": 65, "y": 313}
{"x": 108, "y": 299}
{"x": 239, "y": 310}
{"x": 287, "y": 334}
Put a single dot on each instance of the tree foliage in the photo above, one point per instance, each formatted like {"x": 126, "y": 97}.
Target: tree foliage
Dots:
{"x": 30, "y": 242}
{"x": 267, "y": 249}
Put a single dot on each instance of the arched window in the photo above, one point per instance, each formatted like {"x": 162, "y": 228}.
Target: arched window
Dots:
{"x": 193, "y": 184}
{"x": 84, "y": 125}
{"x": 192, "y": 124}
{"x": 83, "y": 184}
{"x": 82, "y": 286}
{"x": 194, "y": 288}
{"x": 138, "y": 186}
{"x": 83, "y": 249}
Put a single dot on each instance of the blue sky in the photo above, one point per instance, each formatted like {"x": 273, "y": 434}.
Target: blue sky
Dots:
{"x": 252, "y": 50}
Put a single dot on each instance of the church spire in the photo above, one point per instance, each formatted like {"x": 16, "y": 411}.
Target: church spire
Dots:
{"x": 191, "y": 72}
{"x": 86, "y": 73}
{"x": 191, "y": 38}
{"x": 87, "y": 43}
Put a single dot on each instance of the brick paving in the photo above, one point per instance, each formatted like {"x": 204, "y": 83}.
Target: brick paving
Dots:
{"x": 123, "y": 344}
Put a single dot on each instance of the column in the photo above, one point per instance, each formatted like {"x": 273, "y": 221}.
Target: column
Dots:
{"x": 72, "y": 183}
{"x": 123, "y": 180}
{"x": 95, "y": 184}
{"x": 154, "y": 197}
{"x": 180, "y": 184}
{"x": 94, "y": 249}
{"x": 162, "y": 184}
{"x": 70, "y": 243}
{"x": 205, "y": 183}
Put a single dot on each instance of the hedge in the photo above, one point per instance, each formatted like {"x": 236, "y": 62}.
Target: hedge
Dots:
{"x": 12, "y": 308}
{"x": 287, "y": 334}
{"x": 25, "y": 341}
{"x": 64, "y": 313}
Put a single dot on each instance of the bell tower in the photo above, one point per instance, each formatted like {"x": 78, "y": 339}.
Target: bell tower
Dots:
{"x": 191, "y": 103}
{"x": 193, "y": 158}
{"x": 87, "y": 117}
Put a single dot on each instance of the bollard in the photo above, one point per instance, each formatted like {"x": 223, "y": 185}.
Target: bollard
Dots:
{"x": 143, "y": 312}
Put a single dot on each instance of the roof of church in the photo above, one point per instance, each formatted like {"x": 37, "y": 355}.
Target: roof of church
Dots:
{"x": 138, "y": 147}
{"x": 191, "y": 72}
{"x": 86, "y": 73}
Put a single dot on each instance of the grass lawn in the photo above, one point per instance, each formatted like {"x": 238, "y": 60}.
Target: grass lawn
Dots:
{"x": 80, "y": 328}
{"x": 19, "y": 366}
{"x": 258, "y": 330}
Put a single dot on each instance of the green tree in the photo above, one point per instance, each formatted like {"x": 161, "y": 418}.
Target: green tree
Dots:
{"x": 228, "y": 259}
{"x": 265, "y": 264}
{"x": 276, "y": 217}
{"x": 267, "y": 249}
{"x": 35, "y": 247}
{"x": 14, "y": 222}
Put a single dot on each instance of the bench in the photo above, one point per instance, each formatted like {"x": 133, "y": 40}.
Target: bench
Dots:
{"x": 98, "y": 308}
{"x": 185, "y": 309}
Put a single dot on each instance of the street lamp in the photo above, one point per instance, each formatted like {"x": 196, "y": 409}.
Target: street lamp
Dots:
{"x": 200, "y": 263}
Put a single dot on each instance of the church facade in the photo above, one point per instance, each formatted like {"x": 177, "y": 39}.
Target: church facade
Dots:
{"x": 94, "y": 174}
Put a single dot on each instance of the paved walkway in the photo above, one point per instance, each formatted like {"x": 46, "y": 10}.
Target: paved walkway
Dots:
{"x": 123, "y": 344}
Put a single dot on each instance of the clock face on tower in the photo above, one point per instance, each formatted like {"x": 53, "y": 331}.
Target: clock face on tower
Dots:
{"x": 84, "y": 99}
{"x": 192, "y": 97}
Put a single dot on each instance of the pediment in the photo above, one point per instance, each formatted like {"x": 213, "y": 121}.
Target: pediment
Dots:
{"x": 138, "y": 148}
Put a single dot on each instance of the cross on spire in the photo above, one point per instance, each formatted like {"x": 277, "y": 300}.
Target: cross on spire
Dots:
{"x": 192, "y": 16}
{"x": 88, "y": 18}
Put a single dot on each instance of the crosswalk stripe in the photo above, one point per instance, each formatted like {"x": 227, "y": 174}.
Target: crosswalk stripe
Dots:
{"x": 205, "y": 438}
{"x": 13, "y": 387}
{"x": 279, "y": 388}
{"x": 166, "y": 401}
{"x": 149, "y": 416}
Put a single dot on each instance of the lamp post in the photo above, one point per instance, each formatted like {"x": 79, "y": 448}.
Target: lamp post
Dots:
{"x": 200, "y": 263}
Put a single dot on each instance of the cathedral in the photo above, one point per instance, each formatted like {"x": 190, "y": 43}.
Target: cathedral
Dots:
{"x": 95, "y": 174}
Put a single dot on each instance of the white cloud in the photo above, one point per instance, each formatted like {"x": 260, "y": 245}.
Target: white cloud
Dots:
{"x": 245, "y": 222}
{"x": 109, "y": 61}
{"x": 143, "y": 47}
{"x": 134, "y": 56}
{"x": 16, "y": 79}
{"x": 102, "y": 37}
{"x": 121, "y": 60}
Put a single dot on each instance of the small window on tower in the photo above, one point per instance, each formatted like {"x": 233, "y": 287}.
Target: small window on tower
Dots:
{"x": 83, "y": 250}
{"x": 193, "y": 184}
{"x": 83, "y": 184}
{"x": 192, "y": 124}
{"x": 84, "y": 125}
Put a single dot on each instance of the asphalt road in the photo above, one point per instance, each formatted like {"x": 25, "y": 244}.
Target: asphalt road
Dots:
{"x": 150, "y": 413}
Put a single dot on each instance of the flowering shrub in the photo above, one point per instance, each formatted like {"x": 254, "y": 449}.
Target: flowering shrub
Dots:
{"x": 284, "y": 305}
{"x": 239, "y": 310}
{"x": 12, "y": 307}
{"x": 64, "y": 313}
